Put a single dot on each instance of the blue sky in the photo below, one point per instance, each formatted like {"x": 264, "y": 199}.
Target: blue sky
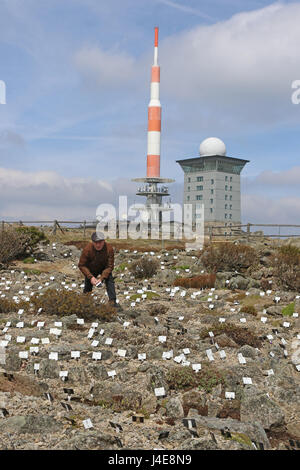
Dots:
{"x": 74, "y": 129}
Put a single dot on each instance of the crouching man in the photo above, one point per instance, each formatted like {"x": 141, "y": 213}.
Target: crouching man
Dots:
{"x": 97, "y": 258}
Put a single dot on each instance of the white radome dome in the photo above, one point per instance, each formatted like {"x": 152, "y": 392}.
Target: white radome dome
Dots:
{"x": 212, "y": 146}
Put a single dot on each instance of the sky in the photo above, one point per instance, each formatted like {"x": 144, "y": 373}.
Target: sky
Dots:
{"x": 73, "y": 131}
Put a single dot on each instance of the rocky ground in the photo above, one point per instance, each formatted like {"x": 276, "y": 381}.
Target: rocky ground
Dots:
{"x": 247, "y": 395}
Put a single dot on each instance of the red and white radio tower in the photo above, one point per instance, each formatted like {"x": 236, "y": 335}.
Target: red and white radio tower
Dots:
{"x": 150, "y": 189}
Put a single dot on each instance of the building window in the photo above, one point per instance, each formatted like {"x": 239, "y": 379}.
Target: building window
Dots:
{"x": 212, "y": 181}
{"x": 211, "y": 201}
{"x": 199, "y": 197}
{"x": 230, "y": 198}
{"x": 230, "y": 178}
{"x": 225, "y": 224}
{"x": 199, "y": 188}
{"x": 230, "y": 216}
{"x": 226, "y": 187}
{"x": 225, "y": 206}
{"x": 198, "y": 216}
{"x": 188, "y": 188}
{"x": 225, "y": 216}
{"x": 230, "y": 188}
{"x": 199, "y": 178}
{"x": 188, "y": 198}
{"x": 226, "y": 178}
{"x": 230, "y": 207}
{"x": 211, "y": 191}
{"x": 199, "y": 206}
{"x": 211, "y": 209}
{"x": 226, "y": 197}
{"x": 189, "y": 180}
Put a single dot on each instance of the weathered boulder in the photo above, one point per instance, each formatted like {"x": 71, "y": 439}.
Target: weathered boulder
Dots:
{"x": 49, "y": 369}
{"x": 254, "y": 430}
{"x": 256, "y": 406}
{"x": 41, "y": 424}
{"x": 89, "y": 440}
{"x": 174, "y": 408}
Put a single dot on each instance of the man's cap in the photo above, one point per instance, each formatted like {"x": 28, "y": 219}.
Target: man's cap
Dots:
{"x": 97, "y": 236}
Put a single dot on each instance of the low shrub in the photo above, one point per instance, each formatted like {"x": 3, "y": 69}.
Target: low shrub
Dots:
{"x": 265, "y": 284}
{"x": 207, "y": 378}
{"x": 197, "y": 282}
{"x": 249, "y": 309}
{"x": 13, "y": 244}
{"x": 35, "y": 235}
{"x": 239, "y": 335}
{"x": 289, "y": 250}
{"x": 157, "y": 309}
{"x": 144, "y": 268}
{"x": 228, "y": 257}
{"x": 286, "y": 267}
{"x": 7, "y": 306}
{"x": 63, "y": 303}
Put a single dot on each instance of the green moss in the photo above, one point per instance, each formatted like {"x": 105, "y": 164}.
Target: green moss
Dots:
{"x": 28, "y": 260}
{"x": 31, "y": 271}
{"x": 241, "y": 438}
{"x": 288, "y": 310}
{"x": 150, "y": 295}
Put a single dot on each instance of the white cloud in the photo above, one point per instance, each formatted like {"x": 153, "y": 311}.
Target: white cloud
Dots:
{"x": 289, "y": 177}
{"x": 105, "y": 68}
{"x": 230, "y": 75}
{"x": 246, "y": 63}
{"x": 262, "y": 209}
{"x": 46, "y": 195}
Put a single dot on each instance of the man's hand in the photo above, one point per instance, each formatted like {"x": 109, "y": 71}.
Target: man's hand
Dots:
{"x": 95, "y": 281}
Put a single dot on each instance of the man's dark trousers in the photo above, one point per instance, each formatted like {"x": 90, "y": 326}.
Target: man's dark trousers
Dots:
{"x": 110, "y": 287}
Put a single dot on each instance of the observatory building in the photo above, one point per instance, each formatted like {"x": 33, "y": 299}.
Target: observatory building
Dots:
{"x": 213, "y": 180}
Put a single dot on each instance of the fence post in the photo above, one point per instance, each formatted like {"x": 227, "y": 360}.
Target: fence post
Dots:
{"x": 248, "y": 231}
{"x": 54, "y": 228}
{"x": 84, "y": 223}
{"x": 210, "y": 233}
